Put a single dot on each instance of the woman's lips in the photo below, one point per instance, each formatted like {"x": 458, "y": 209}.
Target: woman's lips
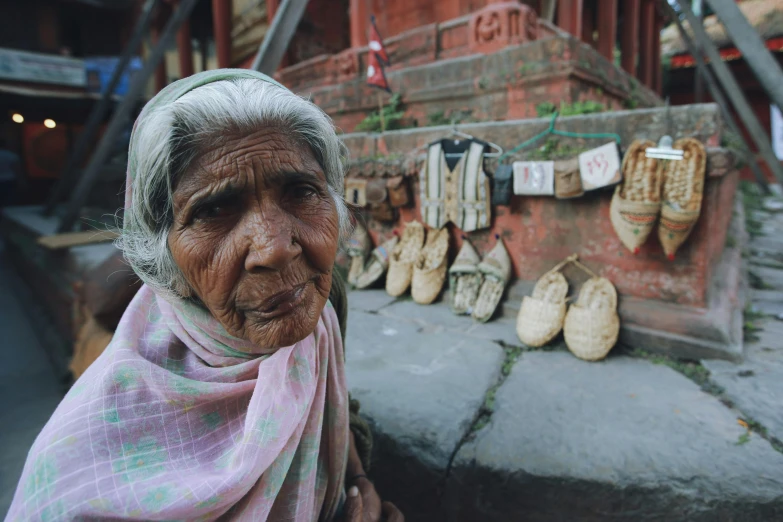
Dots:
{"x": 280, "y": 303}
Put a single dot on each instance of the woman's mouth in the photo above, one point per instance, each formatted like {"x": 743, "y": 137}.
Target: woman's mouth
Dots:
{"x": 281, "y": 303}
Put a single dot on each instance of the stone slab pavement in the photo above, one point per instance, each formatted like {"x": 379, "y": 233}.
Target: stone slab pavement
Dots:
{"x": 472, "y": 426}
{"x": 29, "y": 388}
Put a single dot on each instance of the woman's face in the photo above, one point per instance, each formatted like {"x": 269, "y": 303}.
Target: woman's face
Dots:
{"x": 255, "y": 233}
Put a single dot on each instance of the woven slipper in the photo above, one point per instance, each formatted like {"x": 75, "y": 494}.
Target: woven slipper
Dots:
{"x": 429, "y": 272}
{"x": 683, "y": 188}
{"x": 465, "y": 279}
{"x": 637, "y": 199}
{"x": 358, "y": 247}
{"x": 402, "y": 258}
{"x": 378, "y": 263}
{"x": 541, "y": 316}
{"x": 496, "y": 269}
{"x": 592, "y": 324}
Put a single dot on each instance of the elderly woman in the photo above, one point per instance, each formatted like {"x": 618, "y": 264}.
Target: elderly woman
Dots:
{"x": 222, "y": 394}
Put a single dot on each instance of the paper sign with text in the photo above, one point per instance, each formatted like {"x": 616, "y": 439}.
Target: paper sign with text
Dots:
{"x": 534, "y": 178}
{"x": 600, "y": 167}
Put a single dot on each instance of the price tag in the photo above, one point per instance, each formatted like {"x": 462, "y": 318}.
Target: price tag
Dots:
{"x": 534, "y": 178}
{"x": 600, "y": 167}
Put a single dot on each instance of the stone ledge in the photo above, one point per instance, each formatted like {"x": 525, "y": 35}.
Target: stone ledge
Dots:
{"x": 621, "y": 439}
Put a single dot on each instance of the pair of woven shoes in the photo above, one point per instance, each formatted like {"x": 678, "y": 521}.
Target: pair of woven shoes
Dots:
{"x": 418, "y": 265}
{"x": 363, "y": 272}
{"x": 590, "y": 326}
{"x": 671, "y": 188}
{"x": 477, "y": 286}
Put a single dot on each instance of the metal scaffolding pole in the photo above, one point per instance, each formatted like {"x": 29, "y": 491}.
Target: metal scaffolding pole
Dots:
{"x": 734, "y": 92}
{"x": 121, "y": 115}
{"x": 715, "y": 92}
{"x": 99, "y": 110}
{"x": 279, "y": 35}
{"x": 754, "y": 52}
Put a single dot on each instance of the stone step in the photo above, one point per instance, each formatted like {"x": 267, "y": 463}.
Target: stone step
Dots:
{"x": 465, "y": 431}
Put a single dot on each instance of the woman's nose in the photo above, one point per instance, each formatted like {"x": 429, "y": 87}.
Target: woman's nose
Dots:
{"x": 272, "y": 245}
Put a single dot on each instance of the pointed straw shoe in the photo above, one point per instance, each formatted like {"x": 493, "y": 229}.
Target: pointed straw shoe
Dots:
{"x": 637, "y": 199}
{"x": 402, "y": 259}
{"x": 378, "y": 263}
{"x": 465, "y": 279}
{"x": 592, "y": 324}
{"x": 429, "y": 272}
{"x": 496, "y": 269}
{"x": 683, "y": 189}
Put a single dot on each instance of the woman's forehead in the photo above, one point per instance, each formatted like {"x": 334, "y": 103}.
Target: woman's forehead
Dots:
{"x": 267, "y": 155}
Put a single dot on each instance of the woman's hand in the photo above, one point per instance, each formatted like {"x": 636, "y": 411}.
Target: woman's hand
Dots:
{"x": 364, "y": 505}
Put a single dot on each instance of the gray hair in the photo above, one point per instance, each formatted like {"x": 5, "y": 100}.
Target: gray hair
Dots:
{"x": 168, "y": 139}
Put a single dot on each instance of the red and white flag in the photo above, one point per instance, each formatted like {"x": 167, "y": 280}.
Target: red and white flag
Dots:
{"x": 376, "y": 43}
{"x": 375, "y": 74}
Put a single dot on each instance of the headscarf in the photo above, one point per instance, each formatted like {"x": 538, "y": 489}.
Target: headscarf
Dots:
{"x": 176, "y": 421}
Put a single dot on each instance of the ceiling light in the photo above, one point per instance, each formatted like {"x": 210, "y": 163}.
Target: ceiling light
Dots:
{"x": 49, "y": 123}
{"x": 18, "y": 118}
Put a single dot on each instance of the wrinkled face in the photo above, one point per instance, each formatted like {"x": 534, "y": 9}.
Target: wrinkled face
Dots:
{"x": 255, "y": 233}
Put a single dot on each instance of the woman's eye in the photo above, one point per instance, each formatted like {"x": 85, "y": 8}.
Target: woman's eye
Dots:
{"x": 213, "y": 211}
{"x": 303, "y": 191}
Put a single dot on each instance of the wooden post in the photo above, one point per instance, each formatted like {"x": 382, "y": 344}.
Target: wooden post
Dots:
{"x": 629, "y": 37}
{"x": 657, "y": 64}
{"x": 646, "y": 50}
{"x": 588, "y": 22}
{"x": 569, "y": 16}
{"x": 185, "y": 50}
{"x": 161, "y": 78}
{"x": 359, "y": 17}
{"x": 607, "y": 28}
{"x": 221, "y": 26}
{"x": 380, "y": 112}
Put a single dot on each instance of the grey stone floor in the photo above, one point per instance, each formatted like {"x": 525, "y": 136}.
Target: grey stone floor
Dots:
{"x": 29, "y": 388}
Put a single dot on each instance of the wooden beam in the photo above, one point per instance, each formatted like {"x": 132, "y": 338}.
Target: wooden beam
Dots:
{"x": 72, "y": 239}
{"x": 629, "y": 35}
{"x": 221, "y": 26}
{"x": 607, "y": 28}
{"x": 569, "y": 16}
{"x": 185, "y": 50}
{"x": 646, "y": 43}
{"x": 359, "y": 18}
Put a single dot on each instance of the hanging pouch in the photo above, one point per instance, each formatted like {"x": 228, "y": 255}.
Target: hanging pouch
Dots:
{"x": 376, "y": 191}
{"x": 502, "y": 185}
{"x": 568, "y": 183}
{"x": 356, "y": 191}
{"x": 399, "y": 194}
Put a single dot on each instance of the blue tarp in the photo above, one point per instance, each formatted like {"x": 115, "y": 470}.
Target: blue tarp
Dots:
{"x": 99, "y": 70}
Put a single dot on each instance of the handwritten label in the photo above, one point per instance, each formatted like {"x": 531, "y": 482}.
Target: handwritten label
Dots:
{"x": 534, "y": 178}
{"x": 600, "y": 167}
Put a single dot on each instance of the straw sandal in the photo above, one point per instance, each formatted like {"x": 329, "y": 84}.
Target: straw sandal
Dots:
{"x": 592, "y": 324}
{"x": 496, "y": 269}
{"x": 637, "y": 199}
{"x": 541, "y": 316}
{"x": 429, "y": 272}
{"x": 465, "y": 279}
{"x": 377, "y": 265}
{"x": 683, "y": 188}
{"x": 358, "y": 247}
{"x": 402, "y": 259}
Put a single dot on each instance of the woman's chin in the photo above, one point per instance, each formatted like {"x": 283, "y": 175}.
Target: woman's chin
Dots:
{"x": 286, "y": 329}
